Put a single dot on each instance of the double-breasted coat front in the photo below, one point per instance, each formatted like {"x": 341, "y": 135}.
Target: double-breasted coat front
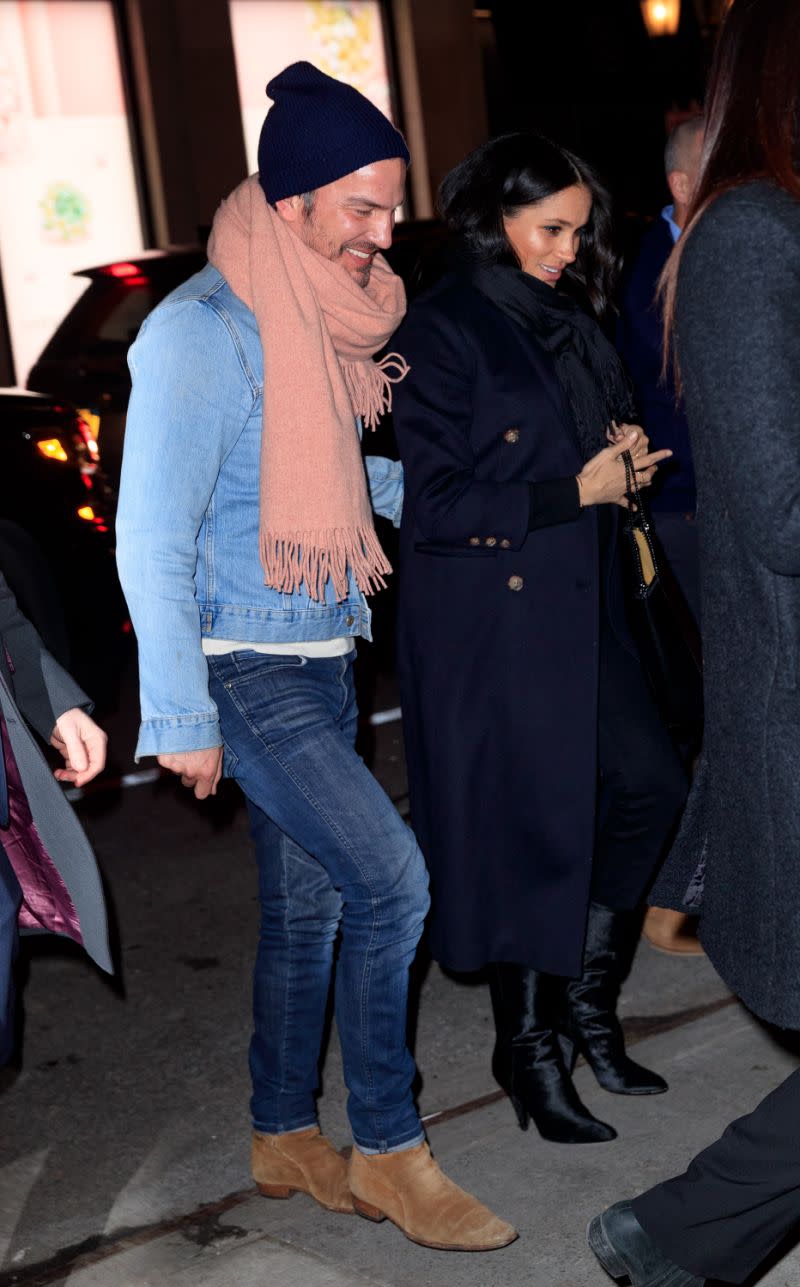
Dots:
{"x": 498, "y": 637}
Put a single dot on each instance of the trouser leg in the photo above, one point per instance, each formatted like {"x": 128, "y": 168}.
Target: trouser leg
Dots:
{"x": 10, "y": 899}
{"x": 678, "y": 535}
{"x": 289, "y": 727}
{"x": 642, "y": 782}
{"x": 738, "y": 1198}
{"x": 300, "y": 913}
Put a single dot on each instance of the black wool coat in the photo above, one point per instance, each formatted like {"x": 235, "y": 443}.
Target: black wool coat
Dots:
{"x": 498, "y": 638}
{"x": 737, "y": 854}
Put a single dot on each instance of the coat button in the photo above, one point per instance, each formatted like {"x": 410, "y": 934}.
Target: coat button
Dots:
{"x": 505, "y": 545}
{"x": 490, "y": 540}
{"x": 511, "y": 435}
{"x": 348, "y": 621}
{"x": 474, "y": 540}
{"x": 515, "y": 583}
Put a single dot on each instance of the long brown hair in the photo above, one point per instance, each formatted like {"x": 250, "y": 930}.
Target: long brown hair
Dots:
{"x": 752, "y": 119}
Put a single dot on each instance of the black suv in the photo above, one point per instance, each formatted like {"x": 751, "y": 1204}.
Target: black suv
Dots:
{"x": 85, "y": 360}
{"x": 57, "y": 537}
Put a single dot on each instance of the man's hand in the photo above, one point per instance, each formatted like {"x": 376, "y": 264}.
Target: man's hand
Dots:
{"x": 82, "y": 744}
{"x": 199, "y": 769}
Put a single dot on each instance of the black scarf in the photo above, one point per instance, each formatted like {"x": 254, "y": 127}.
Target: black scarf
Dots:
{"x": 586, "y": 364}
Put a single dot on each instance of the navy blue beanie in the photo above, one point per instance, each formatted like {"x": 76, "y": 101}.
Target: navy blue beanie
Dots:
{"x": 318, "y": 130}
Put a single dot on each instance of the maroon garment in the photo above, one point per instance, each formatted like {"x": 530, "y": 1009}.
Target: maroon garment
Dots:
{"x": 46, "y": 904}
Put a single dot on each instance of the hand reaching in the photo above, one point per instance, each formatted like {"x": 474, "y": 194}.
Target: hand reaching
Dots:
{"x": 82, "y": 743}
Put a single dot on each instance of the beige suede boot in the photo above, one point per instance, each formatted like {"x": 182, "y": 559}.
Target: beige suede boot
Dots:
{"x": 301, "y": 1162}
{"x": 671, "y": 932}
{"x": 409, "y": 1189}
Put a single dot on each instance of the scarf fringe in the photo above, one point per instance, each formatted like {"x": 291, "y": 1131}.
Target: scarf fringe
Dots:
{"x": 369, "y": 385}
{"x": 313, "y": 558}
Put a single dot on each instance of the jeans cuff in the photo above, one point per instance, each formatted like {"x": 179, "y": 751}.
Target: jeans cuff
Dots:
{"x": 368, "y": 1151}
{"x": 283, "y": 1129}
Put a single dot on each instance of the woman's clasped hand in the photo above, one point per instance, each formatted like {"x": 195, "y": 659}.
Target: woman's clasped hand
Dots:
{"x": 603, "y": 479}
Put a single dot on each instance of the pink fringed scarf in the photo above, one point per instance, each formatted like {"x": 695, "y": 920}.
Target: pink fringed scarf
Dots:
{"x": 319, "y": 331}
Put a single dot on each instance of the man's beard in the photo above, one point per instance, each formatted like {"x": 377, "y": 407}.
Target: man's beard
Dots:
{"x": 319, "y": 241}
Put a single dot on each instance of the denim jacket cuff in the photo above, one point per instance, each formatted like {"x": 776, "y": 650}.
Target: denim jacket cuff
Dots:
{"x": 172, "y": 734}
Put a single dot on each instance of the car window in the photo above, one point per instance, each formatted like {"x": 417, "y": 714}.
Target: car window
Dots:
{"x": 120, "y": 325}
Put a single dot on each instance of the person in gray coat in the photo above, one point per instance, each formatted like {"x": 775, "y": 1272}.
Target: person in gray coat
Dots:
{"x": 736, "y": 324}
{"x": 49, "y": 882}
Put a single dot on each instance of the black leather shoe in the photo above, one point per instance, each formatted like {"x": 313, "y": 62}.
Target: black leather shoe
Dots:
{"x": 625, "y": 1251}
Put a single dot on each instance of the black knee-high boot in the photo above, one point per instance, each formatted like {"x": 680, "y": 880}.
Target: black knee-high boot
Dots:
{"x": 591, "y": 1014}
{"x": 527, "y": 1059}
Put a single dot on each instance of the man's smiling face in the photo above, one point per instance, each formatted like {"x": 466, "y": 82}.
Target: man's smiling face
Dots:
{"x": 351, "y": 219}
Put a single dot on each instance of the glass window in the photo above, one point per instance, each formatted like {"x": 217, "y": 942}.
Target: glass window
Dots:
{"x": 342, "y": 37}
{"x": 68, "y": 195}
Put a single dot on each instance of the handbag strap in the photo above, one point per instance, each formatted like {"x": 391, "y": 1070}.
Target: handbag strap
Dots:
{"x": 638, "y": 525}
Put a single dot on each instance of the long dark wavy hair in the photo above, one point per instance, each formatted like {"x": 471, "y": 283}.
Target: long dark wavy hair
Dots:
{"x": 752, "y": 115}
{"x": 508, "y": 173}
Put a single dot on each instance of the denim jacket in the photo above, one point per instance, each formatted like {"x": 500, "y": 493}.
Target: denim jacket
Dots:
{"x": 188, "y": 517}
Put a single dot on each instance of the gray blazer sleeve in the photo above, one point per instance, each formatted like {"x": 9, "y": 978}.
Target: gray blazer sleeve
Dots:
{"x": 42, "y": 689}
{"x": 738, "y": 336}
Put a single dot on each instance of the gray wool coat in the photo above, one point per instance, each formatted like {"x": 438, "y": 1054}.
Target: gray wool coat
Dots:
{"x": 737, "y": 855}
{"x": 34, "y": 688}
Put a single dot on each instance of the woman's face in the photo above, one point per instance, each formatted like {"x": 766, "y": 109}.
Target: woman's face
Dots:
{"x": 546, "y": 236}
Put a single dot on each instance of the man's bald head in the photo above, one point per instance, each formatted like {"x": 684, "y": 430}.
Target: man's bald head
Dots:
{"x": 682, "y": 163}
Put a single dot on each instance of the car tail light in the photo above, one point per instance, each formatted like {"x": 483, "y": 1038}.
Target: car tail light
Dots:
{"x": 85, "y": 445}
{"x": 123, "y": 270}
{"x": 88, "y": 514}
{"x": 127, "y": 274}
{"x": 52, "y": 449}
{"x": 92, "y": 420}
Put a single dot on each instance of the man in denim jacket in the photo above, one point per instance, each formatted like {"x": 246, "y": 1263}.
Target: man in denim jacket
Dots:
{"x": 255, "y": 680}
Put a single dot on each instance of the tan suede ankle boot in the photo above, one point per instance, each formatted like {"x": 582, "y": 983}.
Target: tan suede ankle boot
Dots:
{"x": 409, "y": 1189}
{"x": 671, "y": 932}
{"x": 301, "y": 1162}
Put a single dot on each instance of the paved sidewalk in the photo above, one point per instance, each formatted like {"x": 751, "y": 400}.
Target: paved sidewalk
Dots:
{"x": 716, "y": 1067}
{"x": 124, "y": 1141}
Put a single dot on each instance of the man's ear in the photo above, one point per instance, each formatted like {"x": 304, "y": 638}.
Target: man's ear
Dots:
{"x": 679, "y": 186}
{"x": 290, "y": 209}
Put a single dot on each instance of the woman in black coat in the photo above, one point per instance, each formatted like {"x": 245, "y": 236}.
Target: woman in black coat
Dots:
{"x": 542, "y": 784}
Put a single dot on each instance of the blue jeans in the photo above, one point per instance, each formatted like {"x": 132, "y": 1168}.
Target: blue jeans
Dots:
{"x": 10, "y": 900}
{"x": 333, "y": 854}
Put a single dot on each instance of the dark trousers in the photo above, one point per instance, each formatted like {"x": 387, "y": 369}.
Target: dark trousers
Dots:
{"x": 643, "y": 784}
{"x": 678, "y": 535}
{"x": 738, "y": 1199}
{"x": 10, "y": 899}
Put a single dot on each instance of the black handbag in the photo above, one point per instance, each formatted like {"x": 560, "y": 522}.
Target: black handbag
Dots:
{"x": 663, "y": 627}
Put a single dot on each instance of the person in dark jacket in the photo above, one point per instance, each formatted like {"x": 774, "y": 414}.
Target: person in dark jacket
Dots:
{"x": 672, "y": 501}
{"x": 542, "y": 783}
{"x": 48, "y": 876}
{"x": 640, "y": 340}
{"x": 737, "y": 332}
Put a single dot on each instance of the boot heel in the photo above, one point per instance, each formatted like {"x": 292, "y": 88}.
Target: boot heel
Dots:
{"x": 605, "y": 1254}
{"x": 523, "y": 1116}
{"x": 368, "y": 1211}
{"x": 275, "y": 1190}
